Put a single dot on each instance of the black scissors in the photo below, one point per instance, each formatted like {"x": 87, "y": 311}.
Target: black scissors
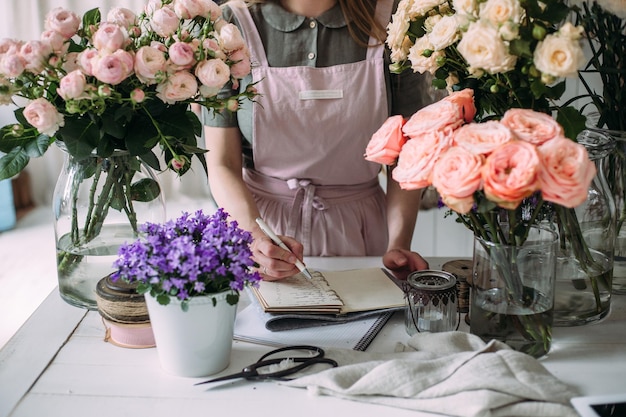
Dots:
{"x": 298, "y": 363}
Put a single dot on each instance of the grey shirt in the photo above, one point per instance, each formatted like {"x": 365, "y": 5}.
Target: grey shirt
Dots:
{"x": 293, "y": 40}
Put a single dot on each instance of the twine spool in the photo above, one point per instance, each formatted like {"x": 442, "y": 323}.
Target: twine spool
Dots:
{"x": 462, "y": 271}
{"x": 124, "y": 313}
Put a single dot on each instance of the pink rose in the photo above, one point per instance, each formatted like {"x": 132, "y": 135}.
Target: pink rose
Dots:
{"x": 149, "y": 63}
{"x": 86, "y": 59}
{"x": 188, "y": 9}
{"x": 179, "y": 86}
{"x": 511, "y": 173}
{"x": 482, "y": 138}
{"x": 457, "y": 176}
{"x": 123, "y": 17}
{"x": 182, "y": 54}
{"x": 73, "y": 85}
{"x": 212, "y": 45}
{"x": 437, "y": 116}
{"x": 567, "y": 172}
{"x": 112, "y": 68}
{"x": 241, "y": 63}
{"x": 42, "y": 115}
{"x": 418, "y": 158}
{"x": 9, "y": 46}
{"x": 109, "y": 37}
{"x": 386, "y": 143}
{"x": 63, "y": 21}
{"x": 35, "y": 54}
{"x": 54, "y": 39}
{"x": 230, "y": 38}
{"x": 213, "y": 73}
{"x": 164, "y": 22}
{"x": 11, "y": 64}
{"x": 532, "y": 126}
{"x": 70, "y": 62}
{"x": 464, "y": 99}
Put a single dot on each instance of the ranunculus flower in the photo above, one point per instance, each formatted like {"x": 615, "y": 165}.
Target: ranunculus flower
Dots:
{"x": 42, "y": 115}
{"x": 567, "y": 172}
{"x": 456, "y": 176}
{"x": 122, "y": 17}
{"x": 110, "y": 37}
{"x": 511, "y": 173}
{"x": 230, "y": 38}
{"x": 437, "y": 116}
{"x": 149, "y": 62}
{"x": 73, "y": 85}
{"x": 164, "y": 21}
{"x": 482, "y": 138}
{"x": 63, "y": 21}
{"x": 213, "y": 73}
{"x": 418, "y": 158}
{"x": 532, "y": 126}
{"x": 559, "y": 56}
{"x": 182, "y": 54}
{"x": 386, "y": 143}
{"x": 179, "y": 86}
{"x": 483, "y": 49}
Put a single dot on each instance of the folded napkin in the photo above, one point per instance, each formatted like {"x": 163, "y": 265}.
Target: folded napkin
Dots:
{"x": 452, "y": 373}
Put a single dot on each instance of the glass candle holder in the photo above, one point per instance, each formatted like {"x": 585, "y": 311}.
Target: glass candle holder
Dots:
{"x": 431, "y": 302}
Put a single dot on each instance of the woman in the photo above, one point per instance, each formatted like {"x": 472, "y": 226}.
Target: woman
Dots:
{"x": 323, "y": 93}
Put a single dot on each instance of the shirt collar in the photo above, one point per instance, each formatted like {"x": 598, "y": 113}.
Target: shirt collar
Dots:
{"x": 281, "y": 19}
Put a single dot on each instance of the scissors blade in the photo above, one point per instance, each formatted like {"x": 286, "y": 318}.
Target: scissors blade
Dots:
{"x": 243, "y": 374}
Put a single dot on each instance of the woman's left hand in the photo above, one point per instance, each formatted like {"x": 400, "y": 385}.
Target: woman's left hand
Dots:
{"x": 404, "y": 260}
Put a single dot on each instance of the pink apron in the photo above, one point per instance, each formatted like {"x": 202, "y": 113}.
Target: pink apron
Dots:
{"x": 310, "y": 130}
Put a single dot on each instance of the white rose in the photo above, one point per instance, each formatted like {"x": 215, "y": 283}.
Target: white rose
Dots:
{"x": 558, "y": 56}
{"x": 444, "y": 33}
{"x": 500, "y": 11}
{"x": 483, "y": 49}
{"x": 466, "y": 7}
{"x": 396, "y": 35}
{"x": 422, "y": 7}
{"x": 421, "y": 63}
{"x": 570, "y": 31}
{"x": 431, "y": 21}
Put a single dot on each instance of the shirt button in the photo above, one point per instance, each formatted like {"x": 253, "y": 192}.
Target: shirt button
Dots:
{"x": 312, "y": 24}
{"x": 311, "y": 55}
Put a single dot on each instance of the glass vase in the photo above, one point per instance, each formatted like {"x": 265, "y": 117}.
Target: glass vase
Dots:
{"x": 512, "y": 295}
{"x": 615, "y": 173}
{"x": 586, "y": 245}
{"x": 98, "y": 204}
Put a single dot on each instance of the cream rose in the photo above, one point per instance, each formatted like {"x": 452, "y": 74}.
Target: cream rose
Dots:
{"x": 466, "y": 7}
{"x": 419, "y": 61}
{"x": 482, "y": 138}
{"x": 532, "y": 126}
{"x": 213, "y": 73}
{"x": 567, "y": 172}
{"x": 422, "y": 7}
{"x": 511, "y": 173}
{"x": 499, "y": 12}
{"x": 559, "y": 56}
{"x": 445, "y": 32}
{"x": 456, "y": 177}
{"x": 42, "y": 115}
{"x": 178, "y": 87}
{"x": 484, "y": 50}
{"x": 149, "y": 64}
{"x": 386, "y": 143}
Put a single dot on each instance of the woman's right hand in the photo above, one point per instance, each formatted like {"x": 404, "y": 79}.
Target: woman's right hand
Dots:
{"x": 274, "y": 262}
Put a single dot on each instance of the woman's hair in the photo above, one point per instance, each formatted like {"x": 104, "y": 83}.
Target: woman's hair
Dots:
{"x": 359, "y": 15}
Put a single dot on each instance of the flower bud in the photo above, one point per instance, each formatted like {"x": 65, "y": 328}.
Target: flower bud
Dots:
{"x": 539, "y": 32}
{"x": 137, "y": 95}
{"x": 232, "y": 104}
{"x": 104, "y": 91}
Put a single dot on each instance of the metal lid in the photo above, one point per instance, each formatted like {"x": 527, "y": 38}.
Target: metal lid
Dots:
{"x": 431, "y": 280}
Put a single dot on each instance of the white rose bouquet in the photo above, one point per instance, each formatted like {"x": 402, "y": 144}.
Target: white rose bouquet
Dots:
{"x": 512, "y": 54}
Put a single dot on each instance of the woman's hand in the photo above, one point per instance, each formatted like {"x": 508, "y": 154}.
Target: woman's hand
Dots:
{"x": 274, "y": 262}
{"x": 402, "y": 260}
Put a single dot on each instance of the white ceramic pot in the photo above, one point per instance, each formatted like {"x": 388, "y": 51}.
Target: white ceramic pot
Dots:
{"x": 197, "y": 342}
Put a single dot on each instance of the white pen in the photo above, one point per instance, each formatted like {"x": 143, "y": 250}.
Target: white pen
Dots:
{"x": 280, "y": 243}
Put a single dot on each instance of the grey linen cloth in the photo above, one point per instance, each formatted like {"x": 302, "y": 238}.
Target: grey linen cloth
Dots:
{"x": 452, "y": 373}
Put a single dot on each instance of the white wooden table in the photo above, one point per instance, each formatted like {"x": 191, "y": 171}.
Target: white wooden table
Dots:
{"x": 59, "y": 365}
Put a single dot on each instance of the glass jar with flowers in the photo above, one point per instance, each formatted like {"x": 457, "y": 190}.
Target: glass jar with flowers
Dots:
{"x": 603, "y": 79}
{"x": 487, "y": 173}
{"x": 191, "y": 271}
{"x": 108, "y": 92}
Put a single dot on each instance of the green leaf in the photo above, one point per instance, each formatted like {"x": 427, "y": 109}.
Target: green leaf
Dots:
{"x": 144, "y": 190}
{"x": 118, "y": 199}
{"x": 91, "y": 18}
{"x": 143, "y": 287}
{"x": 163, "y": 299}
{"x": 80, "y": 135}
{"x": 38, "y": 147}
{"x": 572, "y": 120}
{"x": 232, "y": 298}
{"x": 13, "y": 163}
{"x": 151, "y": 160}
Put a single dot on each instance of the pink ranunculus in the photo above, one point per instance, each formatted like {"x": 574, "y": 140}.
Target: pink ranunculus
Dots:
{"x": 11, "y": 64}
{"x": 123, "y": 17}
{"x": 230, "y": 38}
{"x": 149, "y": 63}
{"x": 179, "y": 86}
{"x": 182, "y": 54}
{"x": 567, "y": 172}
{"x": 386, "y": 143}
{"x": 482, "y": 138}
{"x": 465, "y": 100}
{"x": 242, "y": 65}
{"x": 213, "y": 73}
{"x": 63, "y": 21}
{"x": 164, "y": 22}
{"x": 109, "y": 37}
{"x": 73, "y": 85}
{"x": 457, "y": 176}
{"x": 35, "y": 55}
{"x": 532, "y": 126}
{"x": 437, "y": 116}
{"x": 54, "y": 39}
{"x": 42, "y": 115}
{"x": 86, "y": 59}
{"x": 511, "y": 173}
{"x": 418, "y": 158}
{"x": 110, "y": 68}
